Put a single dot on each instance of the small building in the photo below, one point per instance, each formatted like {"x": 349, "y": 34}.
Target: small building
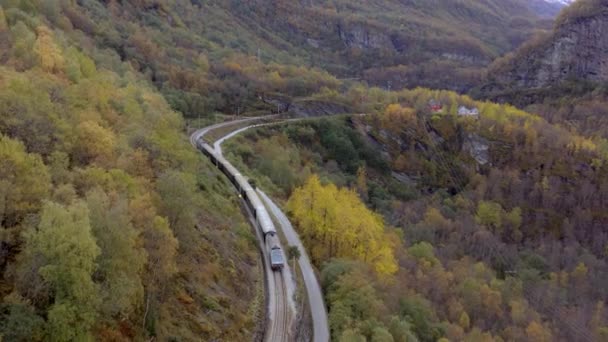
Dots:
{"x": 464, "y": 111}
{"x": 435, "y": 107}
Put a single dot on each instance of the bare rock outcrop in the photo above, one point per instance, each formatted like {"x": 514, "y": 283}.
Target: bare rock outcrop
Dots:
{"x": 577, "y": 49}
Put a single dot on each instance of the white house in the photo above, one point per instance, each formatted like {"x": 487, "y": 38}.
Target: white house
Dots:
{"x": 464, "y": 111}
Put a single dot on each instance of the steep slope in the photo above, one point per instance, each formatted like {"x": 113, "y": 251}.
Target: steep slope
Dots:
{"x": 188, "y": 48}
{"x": 500, "y": 218}
{"x": 112, "y": 228}
{"x": 365, "y": 38}
{"x": 577, "y": 50}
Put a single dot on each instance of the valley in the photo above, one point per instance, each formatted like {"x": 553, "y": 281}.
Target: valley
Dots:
{"x": 435, "y": 170}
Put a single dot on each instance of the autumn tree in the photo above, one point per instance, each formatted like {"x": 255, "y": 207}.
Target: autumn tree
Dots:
{"x": 50, "y": 57}
{"x": 489, "y": 214}
{"x": 464, "y": 321}
{"x": 335, "y": 223}
{"x": 96, "y": 142}
{"x": 396, "y": 118}
{"x": 24, "y": 182}
{"x": 538, "y": 333}
{"x": 161, "y": 249}
{"x": 122, "y": 258}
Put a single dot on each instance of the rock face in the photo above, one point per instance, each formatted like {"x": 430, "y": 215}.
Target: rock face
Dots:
{"x": 577, "y": 49}
{"x": 478, "y": 148}
{"x": 316, "y": 108}
{"x": 365, "y": 37}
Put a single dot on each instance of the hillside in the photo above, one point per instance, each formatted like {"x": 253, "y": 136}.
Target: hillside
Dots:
{"x": 184, "y": 46}
{"x": 497, "y": 220}
{"x": 575, "y": 51}
{"x": 560, "y": 75}
{"x": 112, "y": 227}
{"x": 431, "y": 226}
{"x": 395, "y": 43}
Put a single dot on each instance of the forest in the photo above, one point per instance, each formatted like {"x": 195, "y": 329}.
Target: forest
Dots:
{"x": 112, "y": 227}
{"x": 424, "y": 226}
{"x": 508, "y": 248}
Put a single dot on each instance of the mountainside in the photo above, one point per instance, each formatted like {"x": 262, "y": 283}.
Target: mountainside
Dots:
{"x": 577, "y": 50}
{"x": 430, "y": 223}
{"x": 391, "y": 43}
{"x": 499, "y": 217}
{"x": 112, "y": 228}
{"x": 394, "y": 43}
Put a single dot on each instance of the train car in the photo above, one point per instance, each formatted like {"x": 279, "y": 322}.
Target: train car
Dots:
{"x": 231, "y": 171}
{"x": 276, "y": 258}
{"x": 248, "y": 193}
{"x": 242, "y": 185}
{"x": 265, "y": 222}
{"x": 222, "y": 164}
{"x": 275, "y": 253}
{"x": 245, "y": 189}
{"x": 206, "y": 149}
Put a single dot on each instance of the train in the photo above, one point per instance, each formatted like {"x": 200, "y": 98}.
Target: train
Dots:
{"x": 253, "y": 202}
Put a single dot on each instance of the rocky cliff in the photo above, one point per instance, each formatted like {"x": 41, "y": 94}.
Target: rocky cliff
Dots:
{"x": 577, "y": 49}
{"x": 387, "y": 43}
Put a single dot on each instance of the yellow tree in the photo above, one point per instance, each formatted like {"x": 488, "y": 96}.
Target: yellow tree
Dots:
{"x": 335, "y": 223}
{"x": 396, "y": 118}
{"x": 96, "y": 142}
{"x": 49, "y": 54}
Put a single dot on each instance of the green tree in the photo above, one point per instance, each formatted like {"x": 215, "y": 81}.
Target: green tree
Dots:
{"x": 380, "y": 334}
{"x": 401, "y": 330}
{"x": 351, "y": 335}
{"x": 424, "y": 251}
{"x": 24, "y": 182}
{"x": 489, "y": 214}
{"x": 66, "y": 245}
{"x": 122, "y": 258}
{"x": 352, "y": 299}
{"x": 180, "y": 203}
{"x": 464, "y": 321}
{"x": 514, "y": 218}
{"x": 23, "y": 42}
{"x": 19, "y": 322}
{"x": 294, "y": 254}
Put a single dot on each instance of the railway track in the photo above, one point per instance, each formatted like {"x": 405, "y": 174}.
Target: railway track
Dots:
{"x": 280, "y": 313}
{"x": 280, "y": 331}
